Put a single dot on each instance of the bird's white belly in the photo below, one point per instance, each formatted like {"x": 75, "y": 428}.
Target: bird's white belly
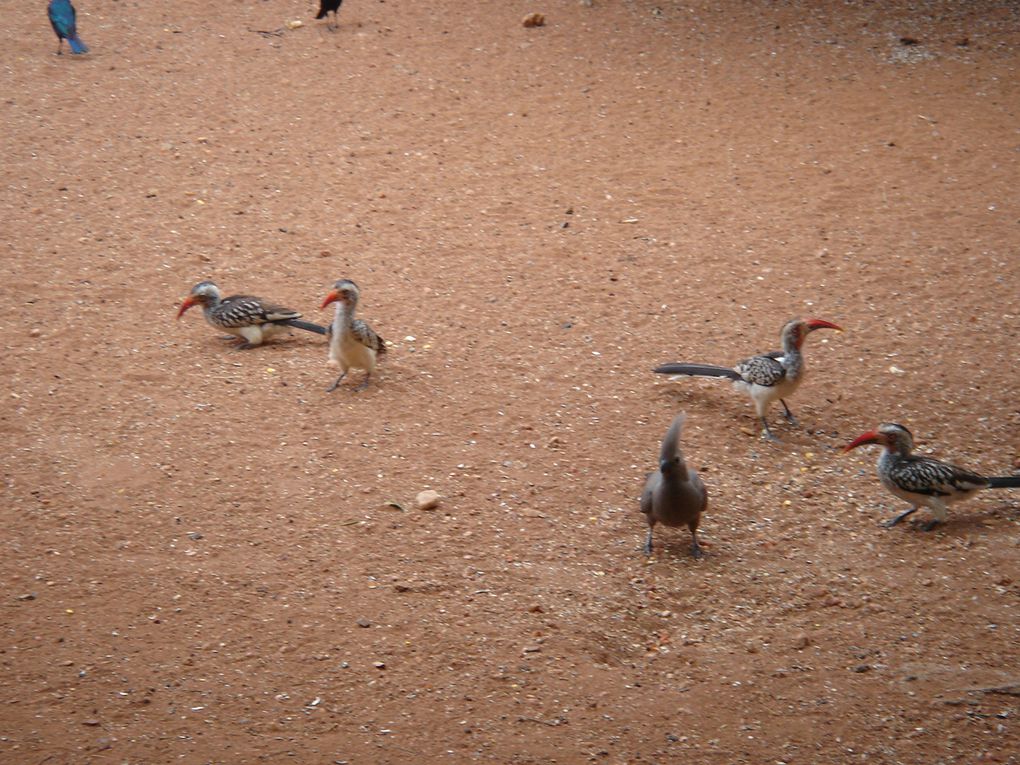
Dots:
{"x": 348, "y": 353}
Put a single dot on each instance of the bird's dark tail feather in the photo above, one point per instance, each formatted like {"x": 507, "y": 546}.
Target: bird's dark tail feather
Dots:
{"x": 77, "y": 46}
{"x": 1005, "y": 482}
{"x": 697, "y": 370}
{"x": 322, "y": 14}
{"x": 305, "y": 325}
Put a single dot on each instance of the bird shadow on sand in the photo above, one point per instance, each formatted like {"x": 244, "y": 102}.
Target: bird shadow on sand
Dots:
{"x": 713, "y": 406}
{"x": 963, "y": 521}
{"x": 670, "y": 550}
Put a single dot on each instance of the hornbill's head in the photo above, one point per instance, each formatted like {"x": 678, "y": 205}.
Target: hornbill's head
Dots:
{"x": 891, "y": 435}
{"x": 344, "y": 291}
{"x": 799, "y": 329}
{"x": 202, "y": 294}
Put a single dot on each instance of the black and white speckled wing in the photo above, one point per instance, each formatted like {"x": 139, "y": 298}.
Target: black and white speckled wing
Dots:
{"x": 248, "y": 311}
{"x": 761, "y": 370}
{"x": 924, "y": 475}
{"x": 367, "y": 336}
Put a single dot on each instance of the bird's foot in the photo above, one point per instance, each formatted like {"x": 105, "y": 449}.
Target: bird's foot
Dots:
{"x": 766, "y": 432}
{"x": 892, "y": 522}
{"x": 696, "y": 551}
{"x": 243, "y": 346}
{"x": 788, "y": 414}
{"x": 929, "y": 525}
{"x": 336, "y": 385}
{"x": 363, "y": 384}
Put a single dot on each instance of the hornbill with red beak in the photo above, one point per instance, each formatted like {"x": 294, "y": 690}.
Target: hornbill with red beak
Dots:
{"x": 923, "y": 481}
{"x": 249, "y": 318}
{"x": 765, "y": 378}
{"x": 352, "y": 343}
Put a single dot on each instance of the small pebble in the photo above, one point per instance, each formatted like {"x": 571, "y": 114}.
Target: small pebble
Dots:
{"x": 427, "y": 500}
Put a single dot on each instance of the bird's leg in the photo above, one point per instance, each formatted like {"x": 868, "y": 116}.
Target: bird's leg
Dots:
{"x": 336, "y": 385}
{"x": 938, "y": 509}
{"x": 243, "y": 345}
{"x": 364, "y": 383}
{"x": 767, "y": 433}
{"x": 648, "y": 542}
{"x": 696, "y": 550}
{"x": 900, "y": 517}
{"x": 788, "y": 414}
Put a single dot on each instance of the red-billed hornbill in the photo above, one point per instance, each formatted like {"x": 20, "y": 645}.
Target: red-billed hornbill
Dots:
{"x": 923, "y": 481}
{"x": 251, "y": 319}
{"x": 765, "y": 378}
{"x": 674, "y": 494}
{"x": 352, "y": 343}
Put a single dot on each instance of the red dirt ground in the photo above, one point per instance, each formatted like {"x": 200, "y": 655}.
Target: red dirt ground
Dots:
{"x": 200, "y": 564}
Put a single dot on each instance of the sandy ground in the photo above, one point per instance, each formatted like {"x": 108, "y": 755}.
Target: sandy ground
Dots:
{"x": 202, "y": 560}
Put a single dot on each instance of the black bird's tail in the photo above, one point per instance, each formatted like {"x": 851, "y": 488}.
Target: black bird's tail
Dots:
{"x": 1004, "y": 482}
{"x": 305, "y": 325}
{"x": 322, "y": 14}
{"x": 697, "y": 370}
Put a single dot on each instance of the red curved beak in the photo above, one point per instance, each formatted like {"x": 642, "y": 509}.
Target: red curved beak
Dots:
{"x": 330, "y": 298}
{"x": 185, "y": 305}
{"x": 871, "y": 437}
{"x": 822, "y": 324}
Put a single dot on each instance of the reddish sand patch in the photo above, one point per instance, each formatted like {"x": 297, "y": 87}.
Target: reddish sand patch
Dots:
{"x": 202, "y": 558}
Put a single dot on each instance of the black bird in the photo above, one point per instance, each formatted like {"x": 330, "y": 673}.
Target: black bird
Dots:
{"x": 325, "y": 6}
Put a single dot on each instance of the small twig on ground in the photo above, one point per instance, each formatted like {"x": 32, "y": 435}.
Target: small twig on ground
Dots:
{"x": 1011, "y": 689}
{"x": 556, "y": 721}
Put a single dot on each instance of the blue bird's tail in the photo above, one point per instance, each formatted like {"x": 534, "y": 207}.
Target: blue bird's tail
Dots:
{"x": 77, "y": 46}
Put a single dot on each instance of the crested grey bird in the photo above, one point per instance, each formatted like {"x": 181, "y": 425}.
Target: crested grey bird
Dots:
{"x": 353, "y": 344}
{"x": 765, "y": 378}
{"x": 674, "y": 495}
{"x": 250, "y": 319}
{"x": 923, "y": 481}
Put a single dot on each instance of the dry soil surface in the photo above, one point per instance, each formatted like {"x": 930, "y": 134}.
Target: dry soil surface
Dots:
{"x": 209, "y": 559}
